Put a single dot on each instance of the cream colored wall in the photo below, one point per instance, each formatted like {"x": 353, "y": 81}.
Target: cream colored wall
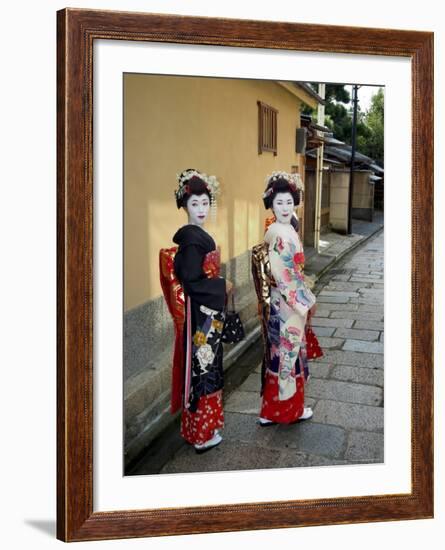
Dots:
{"x": 173, "y": 123}
{"x": 363, "y": 196}
{"x": 338, "y": 203}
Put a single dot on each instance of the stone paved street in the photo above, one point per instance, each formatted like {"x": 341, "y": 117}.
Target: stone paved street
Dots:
{"x": 345, "y": 389}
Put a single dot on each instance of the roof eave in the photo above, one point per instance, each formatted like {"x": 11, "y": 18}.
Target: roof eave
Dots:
{"x": 301, "y": 93}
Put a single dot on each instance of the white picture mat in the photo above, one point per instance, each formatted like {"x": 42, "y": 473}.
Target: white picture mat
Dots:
{"x": 113, "y": 491}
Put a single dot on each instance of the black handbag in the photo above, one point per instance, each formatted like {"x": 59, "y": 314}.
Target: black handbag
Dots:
{"x": 233, "y": 330}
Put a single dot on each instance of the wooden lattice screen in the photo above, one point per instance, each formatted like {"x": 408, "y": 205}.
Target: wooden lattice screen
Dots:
{"x": 267, "y": 126}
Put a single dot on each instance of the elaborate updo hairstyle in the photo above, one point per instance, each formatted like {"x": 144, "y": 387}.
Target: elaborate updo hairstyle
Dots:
{"x": 191, "y": 183}
{"x": 281, "y": 182}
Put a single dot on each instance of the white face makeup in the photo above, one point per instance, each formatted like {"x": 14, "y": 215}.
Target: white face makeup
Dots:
{"x": 198, "y": 207}
{"x": 283, "y": 207}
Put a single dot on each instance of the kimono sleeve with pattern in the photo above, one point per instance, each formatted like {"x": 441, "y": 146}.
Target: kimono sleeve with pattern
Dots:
{"x": 283, "y": 255}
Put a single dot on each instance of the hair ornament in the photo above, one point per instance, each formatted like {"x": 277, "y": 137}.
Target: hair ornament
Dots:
{"x": 210, "y": 182}
{"x": 294, "y": 180}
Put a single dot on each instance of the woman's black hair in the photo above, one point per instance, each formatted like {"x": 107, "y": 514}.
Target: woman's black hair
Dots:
{"x": 281, "y": 185}
{"x": 193, "y": 186}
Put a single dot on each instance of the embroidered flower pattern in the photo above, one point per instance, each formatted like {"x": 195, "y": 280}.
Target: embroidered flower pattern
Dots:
{"x": 286, "y": 343}
{"x": 294, "y": 331}
{"x": 278, "y": 246}
{"x": 205, "y": 356}
{"x": 200, "y": 426}
{"x": 291, "y": 279}
{"x": 206, "y": 341}
{"x": 299, "y": 258}
{"x": 287, "y": 275}
{"x": 217, "y": 325}
{"x": 199, "y": 339}
{"x": 285, "y": 411}
{"x": 292, "y": 299}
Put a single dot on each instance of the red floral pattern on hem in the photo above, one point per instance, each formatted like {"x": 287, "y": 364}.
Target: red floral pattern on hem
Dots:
{"x": 198, "y": 427}
{"x": 282, "y": 412}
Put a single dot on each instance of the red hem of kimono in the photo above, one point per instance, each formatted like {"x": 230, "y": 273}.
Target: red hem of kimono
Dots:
{"x": 283, "y": 412}
{"x": 198, "y": 427}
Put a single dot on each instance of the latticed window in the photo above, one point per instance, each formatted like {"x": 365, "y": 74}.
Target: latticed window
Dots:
{"x": 267, "y": 126}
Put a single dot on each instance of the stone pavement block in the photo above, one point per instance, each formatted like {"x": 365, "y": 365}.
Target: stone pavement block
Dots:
{"x": 373, "y": 279}
{"x": 319, "y": 370}
{"x": 371, "y": 291}
{"x": 228, "y": 455}
{"x": 357, "y": 315}
{"x": 349, "y": 415}
{"x": 252, "y": 383}
{"x": 368, "y": 300}
{"x": 245, "y": 402}
{"x": 337, "y": 307}
{"x": 245, "y": 428}
{"x": 344, "y": 391}
{"x": 327, "y": 343}
{"x": 333, "y": 299}
{"x": 345, "y": 323}
{"x": 343, "y": 270}
{"x": 362, "y": 346}
{"x": 365, "y": 445}
{"x": 359, "y": 375}
{"x": 340, "y": 357}
{"x": 370, "y": 335}
{"x": 370, "y": 308}
{"x": 341, "y": 277}
{"x": 382, "y": 337}
{"x": 309, "y": 437}
{"x": 339, "y": 293}
{"x": 290, "y": 458}
{"x": 369, "y": 325}
{"x": 323, "y": 312}
{"x": 341, "y": 285}
{"x": 323, "y": 331}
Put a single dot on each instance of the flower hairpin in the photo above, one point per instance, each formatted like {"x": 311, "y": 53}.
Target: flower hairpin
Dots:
{"x": 210, "y": 182}
{"x": 294, "y": 180}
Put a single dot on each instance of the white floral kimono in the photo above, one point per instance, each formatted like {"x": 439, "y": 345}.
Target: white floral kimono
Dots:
{"x": 291, "y": 300}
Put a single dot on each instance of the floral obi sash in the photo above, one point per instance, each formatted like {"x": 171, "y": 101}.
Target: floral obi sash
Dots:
{"x": 212, "y": 264}
{"x": 174, "y": 296}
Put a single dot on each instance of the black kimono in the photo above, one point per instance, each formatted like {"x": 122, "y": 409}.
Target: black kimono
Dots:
{"x": 197, "y": 266}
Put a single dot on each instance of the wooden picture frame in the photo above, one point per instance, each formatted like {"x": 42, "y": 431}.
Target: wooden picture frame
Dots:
{"x": 76, "y": 32}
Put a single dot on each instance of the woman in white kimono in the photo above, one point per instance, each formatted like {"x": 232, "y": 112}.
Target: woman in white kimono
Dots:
{"x": 290, "y": 303}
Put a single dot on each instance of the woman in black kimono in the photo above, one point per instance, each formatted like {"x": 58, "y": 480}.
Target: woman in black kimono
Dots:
{"x": 197, "y": 267}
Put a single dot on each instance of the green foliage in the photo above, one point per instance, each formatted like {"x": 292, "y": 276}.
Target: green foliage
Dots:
{"x": 338, "y": 93}
{"x": 338, "y": 117}
{"x": 373, "y": 142}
